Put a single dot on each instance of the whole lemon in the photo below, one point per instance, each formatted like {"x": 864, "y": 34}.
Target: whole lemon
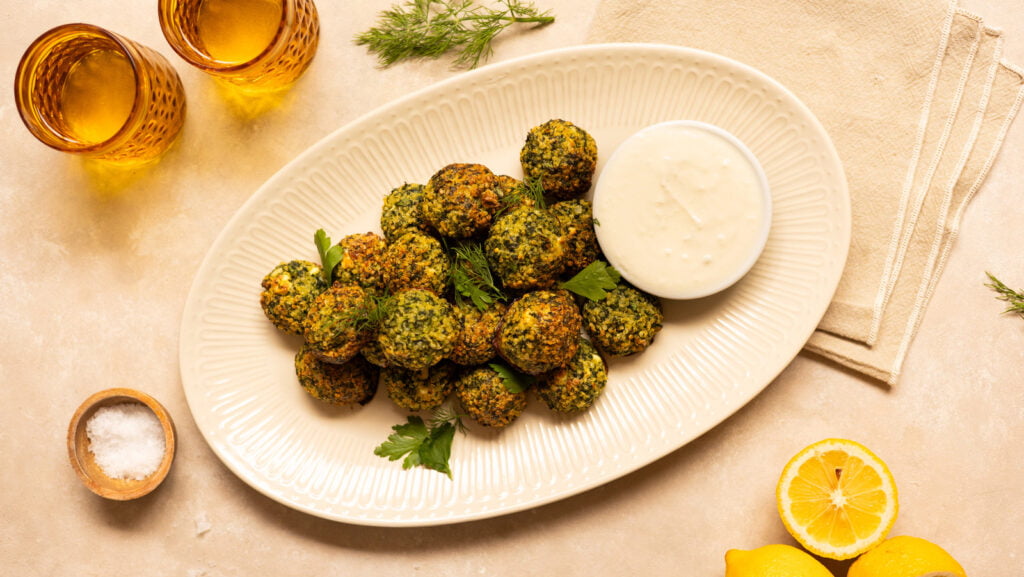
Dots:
{"x": 906, "y": 557}
{"x": 773, "y": 561}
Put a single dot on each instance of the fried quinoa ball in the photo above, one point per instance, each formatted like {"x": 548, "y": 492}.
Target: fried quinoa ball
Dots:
{"x": 289, "y": 291}
{"x": 540, "y": 331}
{"x": 401, "y": 211}
{"x": 475, "y": 343}
{"x": 485, "y": 398}
{"x": 577, "y": 220}
{"x": 460, "y": 200}
{"x": 525, "y": 249}
{"x": 347, "y": 384}
{"x": 418, "y": 329}
{"x": 562, "y": 156}
{"x": 372, "y": 352}
{"x": 333, "y": 327}
{"x": 362, "y": 260}
{"x": 625, "y": 322}
{"x": 574, "y": 387}
{"x": 416, "y": 260}
{"x": 422, "y": 390}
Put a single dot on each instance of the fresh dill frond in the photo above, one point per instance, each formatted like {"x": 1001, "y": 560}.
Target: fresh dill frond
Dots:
{"x": 370, "y": 314}
{"x": 1014, "y": 298}
{"x": 447, "y": 414}
{"x": 431, "y": 28}
{"x": 472, "y": 277}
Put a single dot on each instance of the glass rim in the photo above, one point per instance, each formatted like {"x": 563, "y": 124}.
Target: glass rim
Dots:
{"x": 202, "y": 59}
{"x": 24, "y": 83}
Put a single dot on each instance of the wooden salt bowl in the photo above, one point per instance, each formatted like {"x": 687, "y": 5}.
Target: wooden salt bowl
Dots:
{"x": 84, "y": 463}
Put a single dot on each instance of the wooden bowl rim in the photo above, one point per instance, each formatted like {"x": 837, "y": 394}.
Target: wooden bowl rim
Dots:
{"x": 77, "y": 451}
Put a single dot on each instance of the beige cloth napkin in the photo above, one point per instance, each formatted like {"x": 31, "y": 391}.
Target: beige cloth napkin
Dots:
{"x": 916, "y": 100}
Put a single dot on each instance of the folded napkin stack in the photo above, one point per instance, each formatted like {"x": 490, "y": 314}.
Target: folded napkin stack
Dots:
{"x": 917, "y": 99}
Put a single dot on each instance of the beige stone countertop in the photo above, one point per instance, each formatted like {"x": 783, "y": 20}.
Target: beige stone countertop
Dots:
{"x": 94, "y": 277}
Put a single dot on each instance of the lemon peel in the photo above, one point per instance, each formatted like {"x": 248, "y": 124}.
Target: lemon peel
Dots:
{"x": 773, "y": 561}
{"x": 906, "y": 556}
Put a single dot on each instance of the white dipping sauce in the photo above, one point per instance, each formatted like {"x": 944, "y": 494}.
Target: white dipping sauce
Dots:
{"x": 682, "y": 209}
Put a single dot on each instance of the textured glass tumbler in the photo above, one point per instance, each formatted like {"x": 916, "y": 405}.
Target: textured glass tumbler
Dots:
{"x": 85, "y": 90}
{"x": 258, "y": 45}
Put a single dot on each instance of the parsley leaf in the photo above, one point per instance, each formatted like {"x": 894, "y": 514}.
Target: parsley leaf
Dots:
{"x": 330, "y": 256}
{"x": 515, "y": 381}
{"x": 594, "y": 281}
{"x": 421, "y": 445}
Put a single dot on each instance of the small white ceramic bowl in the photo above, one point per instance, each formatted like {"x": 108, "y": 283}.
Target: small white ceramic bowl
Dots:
{"x": 624, "y": 251}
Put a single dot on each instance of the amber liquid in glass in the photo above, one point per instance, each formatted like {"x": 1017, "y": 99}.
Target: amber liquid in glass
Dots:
{"x": 236, "y": 31}
{"x": 98, "y": 95}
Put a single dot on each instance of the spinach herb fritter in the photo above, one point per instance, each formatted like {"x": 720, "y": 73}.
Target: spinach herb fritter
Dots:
{"x": 574, "y": 388}
{"x": 486, "y": 399}
{"x": 540, "y": 331}
{"x": 351, "y": 383}
{"x": 460, "y": 200}
{"x": 625, "y": 322}
{"x": 562, "y": 156}
{"x": 418, "y": 329}
{"x": 288, "y": 292}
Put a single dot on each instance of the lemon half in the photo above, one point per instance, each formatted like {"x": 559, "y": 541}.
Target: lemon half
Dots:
{"x": 837, "y": 498}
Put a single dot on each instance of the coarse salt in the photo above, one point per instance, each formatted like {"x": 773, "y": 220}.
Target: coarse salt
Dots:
{"x": 126, "y": 440}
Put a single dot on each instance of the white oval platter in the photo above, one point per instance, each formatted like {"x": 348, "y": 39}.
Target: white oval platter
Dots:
{"x": 713, "y": 356}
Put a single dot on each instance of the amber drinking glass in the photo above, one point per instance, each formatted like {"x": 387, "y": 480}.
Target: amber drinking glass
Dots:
{"x": 258, "y": 45}
{"x": 86, "y": 90}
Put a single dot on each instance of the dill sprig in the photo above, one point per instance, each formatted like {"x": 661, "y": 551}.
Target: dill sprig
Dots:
{"x": 1013, "y": 297}
{"x": 472, "y": 277}
{"x": 370, "y": 313}
{"x": 431, "y": 28}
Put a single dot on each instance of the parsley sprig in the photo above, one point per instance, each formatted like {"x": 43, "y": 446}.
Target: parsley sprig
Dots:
{"x": 330, "y": 256}
{"x": 423, "y": 444}
{"x": 594, "y": 281}
{"x": 514, "y": 381}
{"x": 431, "y": 28}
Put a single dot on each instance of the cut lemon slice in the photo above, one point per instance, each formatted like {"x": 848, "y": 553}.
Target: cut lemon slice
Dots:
{"x": 837, "y": 498}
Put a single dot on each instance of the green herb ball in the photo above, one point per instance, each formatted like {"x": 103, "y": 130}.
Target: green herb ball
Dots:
{"x": 289, "y": 291}
{"x": 475, "y": 343}
{"x": 422, "y": 390}
{"x": 485, "y": 398}
{"x": 348, "y": 384}
{"x": 418, "y": 329}
{"x": 525, "y": 249}
{"x": 372, "y": 352}
{"x": 574, "y": 387}
{"x": 540, "y": 331}
{"x": 460, "y": 200}
{"x": 416, "y": 261}
{"x": 337, "y": 326}
{"x": 623, "y": 323}
{"x": 362, "y": 261}
{"x": 576, "y": 218}
{"x": 562, "y": 156}
{"x": 401, "y": 211}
